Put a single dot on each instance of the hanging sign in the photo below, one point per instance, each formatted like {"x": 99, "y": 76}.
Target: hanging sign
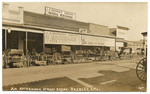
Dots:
{"x": 109, "y": 42}
{"x": 60, "y": 13}
{"x": 119, "y": 44}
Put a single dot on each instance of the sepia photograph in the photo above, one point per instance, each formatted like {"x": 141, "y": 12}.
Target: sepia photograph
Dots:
{"x": 74, "y": 46}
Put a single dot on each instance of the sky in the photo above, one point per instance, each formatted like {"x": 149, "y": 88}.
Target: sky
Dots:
{"x": 133, "y": 15}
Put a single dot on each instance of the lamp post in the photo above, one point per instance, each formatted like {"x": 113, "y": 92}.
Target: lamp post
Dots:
{"x": 9, "y": 30}
{"x": 144, "y": 42}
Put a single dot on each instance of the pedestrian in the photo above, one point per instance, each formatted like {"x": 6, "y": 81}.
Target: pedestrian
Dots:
{"x": 102, "y": 54}
{"x": 72, "y": 56}
{"x": 130, "y": 53}
{"x": 56, "y": 57}
{"x": 109, "y": 54}
{"x": 6, "y": 54}
{"x": 4, "y": 61}
{"x": 27, "y": 59}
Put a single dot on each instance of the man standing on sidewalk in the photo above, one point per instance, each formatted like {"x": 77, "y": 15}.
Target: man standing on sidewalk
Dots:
{"x": 26, "y": 59}
{"x": 4, "y": 61}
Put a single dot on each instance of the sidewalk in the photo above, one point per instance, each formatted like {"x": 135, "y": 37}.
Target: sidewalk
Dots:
{"x": 13, "y": 76}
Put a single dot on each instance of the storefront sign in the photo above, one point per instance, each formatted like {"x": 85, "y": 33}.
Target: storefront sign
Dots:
{"x": 93, "y": 40}
{"x": 119, "y": 44}
{"x": 76, "y": 39}
{"x": 65, "y": 48}
{"x": 12, "y": 16}
{"x": 61, "y": 38}
{"x": 59, "y": 13}
{"x": 122, "y": 33}
{"x": 82, "y": 30}
{"x": 110, "y": 42}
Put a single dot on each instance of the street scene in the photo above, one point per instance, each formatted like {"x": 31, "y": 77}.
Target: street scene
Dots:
{"x": 56, "y": 47}
{"x": 95, "y": 76}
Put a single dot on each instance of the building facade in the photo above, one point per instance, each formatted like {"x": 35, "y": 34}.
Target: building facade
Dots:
{"x": 120, "y": 33}
{"x": 137, "y": 46}
{"x": 27, "y": 31}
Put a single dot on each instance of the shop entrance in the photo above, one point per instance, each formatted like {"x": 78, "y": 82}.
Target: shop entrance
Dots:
{"x": 17, "y": 40}
{"x": 35, "y": 41}
{"x": 14, "y": 40}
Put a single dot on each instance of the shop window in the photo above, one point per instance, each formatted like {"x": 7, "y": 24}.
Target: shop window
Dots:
{"x": 12, "y": 40}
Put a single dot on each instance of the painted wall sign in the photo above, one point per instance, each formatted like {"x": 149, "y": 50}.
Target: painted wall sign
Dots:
{"x": 122, "y": 33}
{"x": 76, "y": 39}
{"x": 12, "y": 16}
{"x": 109, "y": 42}
{"x": 62, "y": 38}
{"x": 119, "y": 44}
{"x": 93, "y": 40}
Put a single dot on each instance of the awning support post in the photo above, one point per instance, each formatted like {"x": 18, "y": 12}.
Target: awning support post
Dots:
{"x": 26, "y": 41}
{"x": 27, "y": 58}
{"x": 115, "y": 43}
{"x": 43, "y": 42}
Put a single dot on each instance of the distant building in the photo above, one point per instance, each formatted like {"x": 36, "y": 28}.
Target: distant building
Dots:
{"x": 136, "y": 46}
{"x": 122, "y": 32}
{"x": 121, "y": 36}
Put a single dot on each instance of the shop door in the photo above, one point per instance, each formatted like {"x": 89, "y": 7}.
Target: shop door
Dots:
{"x": 35, "y": 41}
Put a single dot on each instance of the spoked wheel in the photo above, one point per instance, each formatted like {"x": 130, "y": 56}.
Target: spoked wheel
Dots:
{"x": 141, "y": 70}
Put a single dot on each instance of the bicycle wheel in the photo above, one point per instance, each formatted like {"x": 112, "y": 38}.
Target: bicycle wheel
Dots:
{"x": 141, "y": 70}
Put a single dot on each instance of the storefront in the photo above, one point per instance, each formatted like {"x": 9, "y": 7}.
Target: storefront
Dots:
{"x": 37, "y": 31}
{"x": 22, "y": 38}
{"x": 120, "y": 43}
{"x": 77, "y": 39}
